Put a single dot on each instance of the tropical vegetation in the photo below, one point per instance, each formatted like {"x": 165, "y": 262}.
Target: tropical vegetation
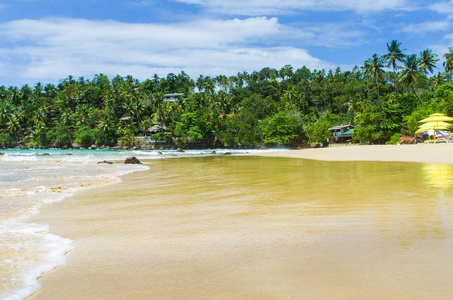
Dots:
{"x": 384, "y": 98}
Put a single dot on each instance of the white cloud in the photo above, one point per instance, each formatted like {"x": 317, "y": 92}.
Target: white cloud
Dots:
{"x": 272, "y": 7}
{"x": 442, "y": 7}
{"x": 51, "y": 49}
{"x": 427, "y": 27}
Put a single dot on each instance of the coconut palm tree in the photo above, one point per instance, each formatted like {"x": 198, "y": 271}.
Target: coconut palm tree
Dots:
{"x": 428, "y": 63}
{"x": 394, "y": 54}
{"x": 365, "y": 71}
{"x": 438, "y": 79}
{"x": 412, "y": 73}
{"x": 373, "y": 67}
{"x": 448, "y": 63}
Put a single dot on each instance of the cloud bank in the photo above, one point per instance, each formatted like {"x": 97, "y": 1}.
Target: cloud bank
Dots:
{"x": 272, "y": 7}
{"x": 52, "y": 49}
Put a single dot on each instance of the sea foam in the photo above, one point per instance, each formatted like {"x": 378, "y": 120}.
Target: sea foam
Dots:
{"x": 29, "y": 179}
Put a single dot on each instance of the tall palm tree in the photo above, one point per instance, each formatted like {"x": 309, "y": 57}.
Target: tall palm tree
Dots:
{"x": 394, "y": 54}
{"x": 428, "y": 63}
{"x": 366, "y": 74}
{"x": 373, "y": 67}
{"x": 448, "y": 63}
{"x": 412, "y": 73}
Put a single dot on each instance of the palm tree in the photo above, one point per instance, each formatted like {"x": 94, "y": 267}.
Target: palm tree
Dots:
{"x": 448, "y": 63}
{"x": 412, "y": 73}
{"x": 365, "y": 69}
{"x": 428, "y": 63}
{"x": 373, "y": 67}
{"x": 438, "y": 79}
{"x": 394, "y": 54}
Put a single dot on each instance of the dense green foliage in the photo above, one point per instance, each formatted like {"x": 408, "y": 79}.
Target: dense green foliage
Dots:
{"x": 385, "y": 98}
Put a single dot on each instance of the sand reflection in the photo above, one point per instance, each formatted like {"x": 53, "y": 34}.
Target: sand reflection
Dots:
{"x": 260, "y": 228}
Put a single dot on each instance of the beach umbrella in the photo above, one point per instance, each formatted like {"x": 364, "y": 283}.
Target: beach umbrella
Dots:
{"x": 436, "y": 121}
{"x": 437, "y": 118}
{"x": 435, "y": 125}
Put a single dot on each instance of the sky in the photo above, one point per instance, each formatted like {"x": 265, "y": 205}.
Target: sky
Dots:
{"x": 47, "y": 40}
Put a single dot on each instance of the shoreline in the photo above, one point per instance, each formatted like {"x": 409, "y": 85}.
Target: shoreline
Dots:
{"x": 420, "y": 153}
{"x": 57, "y": 214}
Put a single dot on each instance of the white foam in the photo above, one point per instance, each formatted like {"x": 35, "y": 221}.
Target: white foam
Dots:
{"x": 55, "y": 248}
{"x": 39, "y": 180}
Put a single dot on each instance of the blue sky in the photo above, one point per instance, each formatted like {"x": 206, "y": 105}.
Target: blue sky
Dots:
{"x": 47, "y": 40}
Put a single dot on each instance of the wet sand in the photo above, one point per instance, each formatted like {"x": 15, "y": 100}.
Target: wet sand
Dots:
{"x": 263, "y": 228}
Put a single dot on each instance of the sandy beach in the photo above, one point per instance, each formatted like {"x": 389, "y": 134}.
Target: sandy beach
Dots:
{"x": 432, "y": 153}
{"x": 267, "y": 227}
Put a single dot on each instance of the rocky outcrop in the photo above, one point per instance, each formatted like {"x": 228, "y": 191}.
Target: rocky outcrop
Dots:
{"x": 179, "y": 150}
{"x": 132, "y": 160}
{"x": 105, "y": 162}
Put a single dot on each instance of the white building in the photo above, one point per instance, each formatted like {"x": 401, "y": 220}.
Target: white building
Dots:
{"x": 173, "y": 97}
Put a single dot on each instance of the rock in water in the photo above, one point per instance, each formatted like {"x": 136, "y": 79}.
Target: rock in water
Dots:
{"x": 132, "y": 160}
{"x": 179, "y": 150}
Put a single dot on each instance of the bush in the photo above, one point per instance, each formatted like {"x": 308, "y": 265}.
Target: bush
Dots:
{"x": 281, "y": 129}
{"x": 394, "y": 139}
{"x": 85, "y": 136}
{"x": 61, "y": 136}
{"x": 7, "y": 140}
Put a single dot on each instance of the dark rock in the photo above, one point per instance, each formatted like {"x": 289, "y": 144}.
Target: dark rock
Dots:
{"x": 44, "y": 154}
{"x": 179, "y": 150}
{"x": 2, "y": 153}
{"x": 105, "y": 162}
{"x": 213, "y": 152}
{"x": 227, "y": 153}
{"x": 132, "y": 160}
{"x": 160, "y": 153}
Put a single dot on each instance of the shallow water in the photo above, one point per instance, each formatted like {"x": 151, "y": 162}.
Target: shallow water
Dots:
{"x": 31, "y": 178}
{"x": 259, "y": 228}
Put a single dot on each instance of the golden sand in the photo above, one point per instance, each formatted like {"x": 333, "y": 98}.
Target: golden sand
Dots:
{"x": 263, "y": 228}
{"x": 423, "y": 153}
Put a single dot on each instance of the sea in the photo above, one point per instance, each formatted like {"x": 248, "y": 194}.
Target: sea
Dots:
{"x": 30, "y": 179}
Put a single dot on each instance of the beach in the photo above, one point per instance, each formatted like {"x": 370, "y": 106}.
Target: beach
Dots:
{"x": 372, "y": 222}
{"x": 421, "y": 153}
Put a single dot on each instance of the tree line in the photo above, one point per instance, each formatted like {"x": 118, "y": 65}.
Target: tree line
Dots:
{"x": 385, "y": 98}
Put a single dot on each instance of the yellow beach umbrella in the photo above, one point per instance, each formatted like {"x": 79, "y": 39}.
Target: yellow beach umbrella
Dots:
{"x": 437, "y": 118}
{"x": 434, "y": 121}
{"x": 423, "y": 129}
{"x": 433, "y": 125}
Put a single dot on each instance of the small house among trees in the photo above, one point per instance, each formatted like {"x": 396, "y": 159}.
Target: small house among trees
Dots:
{"x": 173, "y": 97}
{"x": 341, "y": 133}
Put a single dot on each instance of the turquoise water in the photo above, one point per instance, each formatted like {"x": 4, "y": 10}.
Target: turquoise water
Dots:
{"x": 31, "y": 178}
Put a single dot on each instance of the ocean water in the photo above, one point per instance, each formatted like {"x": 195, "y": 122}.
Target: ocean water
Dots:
{"x": 32, "y": 178}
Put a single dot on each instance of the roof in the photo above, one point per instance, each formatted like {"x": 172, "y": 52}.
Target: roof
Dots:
{"x": 226, "y": 115}
{"x": 175, "y": 95}
{"x": 341, "y": 127}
